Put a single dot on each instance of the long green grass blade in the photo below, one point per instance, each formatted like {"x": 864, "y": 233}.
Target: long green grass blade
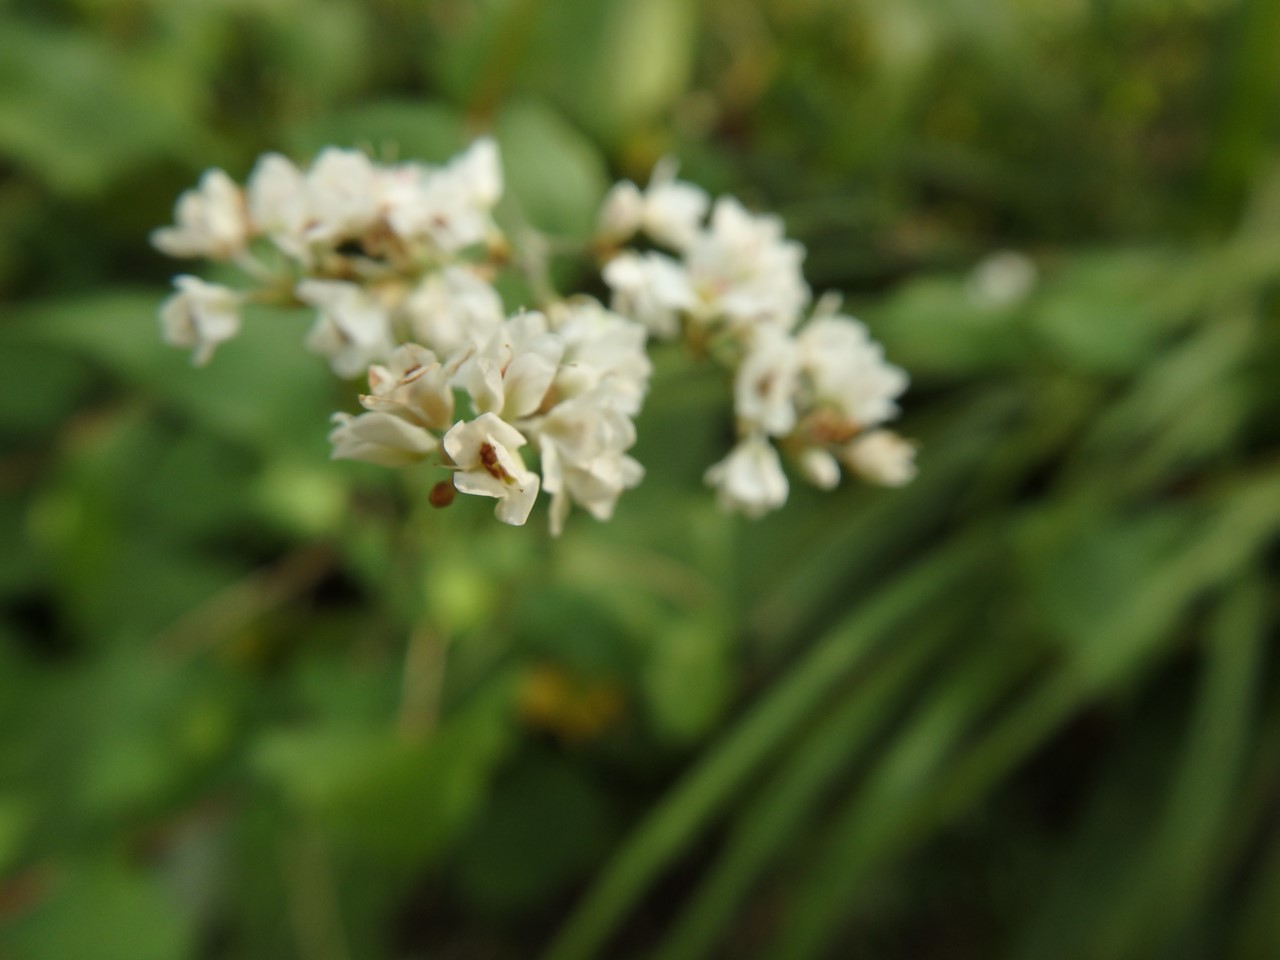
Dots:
{"x": 705, "y": 790}
{"x": 794, "y": 790}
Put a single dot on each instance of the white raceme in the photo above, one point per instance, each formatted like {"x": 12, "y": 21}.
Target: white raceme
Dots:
{"x": 401, "y": 263}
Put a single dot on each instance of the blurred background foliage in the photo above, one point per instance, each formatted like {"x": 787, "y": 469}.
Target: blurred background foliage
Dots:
{"x": 258, "y": 705}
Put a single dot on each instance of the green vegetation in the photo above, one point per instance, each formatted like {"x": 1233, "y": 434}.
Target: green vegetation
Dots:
{"x": 255, "y": 704}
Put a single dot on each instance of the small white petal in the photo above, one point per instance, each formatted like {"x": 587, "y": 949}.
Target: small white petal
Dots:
{"x": 820, "y": 468}
{"x": 750, "y": 479}
{"x": 622, "y": 213}
{"x": 199, "y": 317}
{"x": 209, "y": 221}
{"x": 881, "y": 457}
{"x": 380, "y": 438}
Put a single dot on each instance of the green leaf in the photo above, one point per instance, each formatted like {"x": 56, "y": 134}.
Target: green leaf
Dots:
{"x": 399, "y": 799}
{"x": 263, "y": 388}
{"x": 79, "y": 113}
{"x": 791, "y": 796}
{"x": 555, "y": 174}
{"x": 688, "y": 677}
{"x": 404, "y": 130}
{"x": 546, "y": 823}
{"x": 105, "y": 911}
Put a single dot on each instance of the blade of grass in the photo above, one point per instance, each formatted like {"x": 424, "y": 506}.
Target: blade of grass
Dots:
{"x": 1238, "y": 530}
{"x": 1187, "y": 844}
{"x": 709, "y": 786}
{"x": 793, "y": 792}
{"x": 880, "y": 811}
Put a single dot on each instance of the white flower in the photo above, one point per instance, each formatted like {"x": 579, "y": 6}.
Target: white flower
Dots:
{"x": 583, "y": 443}
{"x": 352, "y": 330}
{"x": 882, "y": 457}
{"x": 750, "y": 479}
{"x": 604, "y": 352}
{"x": 210, "y": 221}
{"x": 765, "y": 385}
{"x": 277, "y": 193}
{"x": 414, "y": 386}
{"x": 744, "y": 271}
{"x": 381, "y": 438}
{"x": 673, "y": 210}
{"x": 820, "y": 468}
{"x": 199, "y": 317}
{"x": 452, "y": 206}
{"x": 621, "y": 213}
{"x": 344, "y": 195}
{"x": 1003, "y": 279}
{"x": 669, "y": 211}
{"x": 650, "y": 288}
{"x": 487, "y": 466}
{"x": 512, "y": 373}
{"x": 453, "y": 308}
{"x": 847, "y": 370}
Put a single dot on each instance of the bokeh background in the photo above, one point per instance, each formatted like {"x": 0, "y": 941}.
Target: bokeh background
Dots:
{"x": 254, "y": 704}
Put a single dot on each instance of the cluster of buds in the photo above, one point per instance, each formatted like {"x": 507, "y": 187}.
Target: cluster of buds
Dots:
{"x": 398, "y": 262}
{"x": 815, "y": 387}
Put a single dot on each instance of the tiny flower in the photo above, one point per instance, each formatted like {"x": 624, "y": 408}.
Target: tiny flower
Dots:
{"x": 381, "y": 438}
{"x": 277, "y": 193}
{"x": 487, "y": 466}
{"x": 882, "y": 457}
{"x": 604, "y": 352}
{"x": 650, "y": 288}
{"x": 669, "y": 211}
{"x": 511, "y": 374}
{"x": 584, "y": 442}
{"x": 750, "y": 479}
{"x": 343, "y": 195}
{"x": 744, "y": 271}
{"x": 352, "y": 329}
{"x": 820, "y": 468}
{"x": 621, "y": 213}
{"x": 673, "y": 209}
{"x": 847, "y": 371}
{"x": 414, "y": 386}
{"x": 1003, "y": 279}
{"x": 452, "y": 308}
{"x": 210, "y": 221}
{"x": 766, "y": 383}
{"x": 199, "y": 317}
{"x": 452, "y": 207}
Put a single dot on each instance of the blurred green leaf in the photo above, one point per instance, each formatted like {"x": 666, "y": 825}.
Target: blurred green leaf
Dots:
{"x": 688, "y": 677}
{"x": 101, "y": 910}
{"x": 424, "y": 131}
{"x": 263, "y": 388}
{"x": 556, "y": 175}
{"x": 545, "y": 823}
{"x": 399, "y": 799}
{"x": 79, "y": 114}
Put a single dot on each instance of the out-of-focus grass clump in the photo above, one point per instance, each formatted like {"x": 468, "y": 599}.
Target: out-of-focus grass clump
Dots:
{"x": 1027, "y": 707}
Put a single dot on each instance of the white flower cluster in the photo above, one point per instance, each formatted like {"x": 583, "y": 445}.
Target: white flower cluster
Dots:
{"x": 345, "y": 237}
{"x": 397, "y": 261}
{"x": 568, "y": 382}
{"x": 818, "y": 388}
{"x": 381, "y": 253}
